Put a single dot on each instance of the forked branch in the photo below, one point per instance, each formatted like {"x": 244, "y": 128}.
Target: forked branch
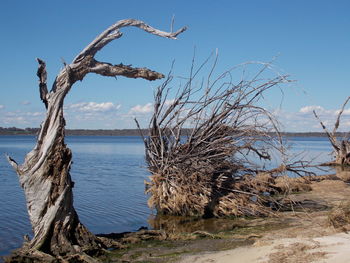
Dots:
{"x": 85, "y": 62}
{"x": 336, "y": 125}
{"x": 331, "y": 136}
{"x": 113, "y": 32}
{"x": 341, "y": 148}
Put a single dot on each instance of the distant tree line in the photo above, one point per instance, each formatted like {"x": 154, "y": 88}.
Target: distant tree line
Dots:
{"x": 133, "y": 132}
{"x": 98, "y": 132}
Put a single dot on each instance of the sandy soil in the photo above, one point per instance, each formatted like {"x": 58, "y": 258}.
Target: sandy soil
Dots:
{"x": 310, "y": 238}
{"x": 312, "y": 228}
{"x": 330, "y": 249}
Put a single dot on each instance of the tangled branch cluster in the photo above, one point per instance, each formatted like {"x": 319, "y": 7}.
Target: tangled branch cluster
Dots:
{"x": 201, "y": 143}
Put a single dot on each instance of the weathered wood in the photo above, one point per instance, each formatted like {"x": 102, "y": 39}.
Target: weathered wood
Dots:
{"x": 341, "y": 147}
{"x": 42, "y": 75}
{"x": 45, "y": 176}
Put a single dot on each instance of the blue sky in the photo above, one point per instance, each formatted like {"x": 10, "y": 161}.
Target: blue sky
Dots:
{"x": 311, "y": 40}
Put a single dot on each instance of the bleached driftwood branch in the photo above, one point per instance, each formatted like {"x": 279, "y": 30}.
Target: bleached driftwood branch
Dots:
{"x": 44, "y": 175}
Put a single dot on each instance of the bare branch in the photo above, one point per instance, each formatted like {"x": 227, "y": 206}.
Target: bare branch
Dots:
{"x": 107, "y": 69}
{"x": 140, "y": 130}
{"x": 112, "y": 33}
{"x": 336, "y": 125}
{"x": 42, "y": 75}
{"x": 12, "y": 162}
{"x": 331, "y": 137}
{"x": 342, "y": 148}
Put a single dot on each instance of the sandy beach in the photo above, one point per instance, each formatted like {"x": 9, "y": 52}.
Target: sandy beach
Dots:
{"x": 311, "y": 238}
{"x": 330, "y": 249}
{"x": 313, "y": 229}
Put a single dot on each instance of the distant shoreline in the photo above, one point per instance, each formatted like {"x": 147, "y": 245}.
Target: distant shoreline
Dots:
{"x": 75, "y": 132}
{"x": 132, "y": 132}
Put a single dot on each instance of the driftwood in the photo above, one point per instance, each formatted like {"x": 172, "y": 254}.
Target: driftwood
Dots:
{"x": 341, "y": 148}
{"x": 45, "y": 176}
{"x": 208, "y": 171}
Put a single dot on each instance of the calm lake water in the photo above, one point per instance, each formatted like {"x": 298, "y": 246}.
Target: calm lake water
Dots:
{"x": 109, "y": 172}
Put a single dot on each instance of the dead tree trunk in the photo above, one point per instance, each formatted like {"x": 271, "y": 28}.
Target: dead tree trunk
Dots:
{"x": 341, "y": 148}
{"x": 44, "y": 175}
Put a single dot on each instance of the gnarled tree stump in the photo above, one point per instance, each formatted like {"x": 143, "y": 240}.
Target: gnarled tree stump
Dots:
{"x": 45, "y": 176}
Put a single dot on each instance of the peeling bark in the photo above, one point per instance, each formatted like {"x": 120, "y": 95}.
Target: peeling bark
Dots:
{"x": 45, "y": 176}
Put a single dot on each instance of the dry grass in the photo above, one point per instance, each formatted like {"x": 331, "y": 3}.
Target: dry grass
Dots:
{"x": 339, "y": 217}
{"x": 296, "y": 253}
{"x": 287, "y": 184}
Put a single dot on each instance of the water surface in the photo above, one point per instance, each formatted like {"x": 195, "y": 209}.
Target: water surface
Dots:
{"x": 109, "y": 172}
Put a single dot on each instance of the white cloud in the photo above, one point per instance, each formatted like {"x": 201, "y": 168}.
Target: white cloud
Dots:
{"x": 345, "y": 112}
{"x": 322, "y": 111}
{"x": 34, "y": 114}
{"x": 305, "y": 121}
{"x": 25, "y": 102}
{"x": 310, "y": 109}
{"x": 169, "y": 102}
{"x": 93, "y": 115}
{"x": 21, "y": 118}
{"x": 148, "y": 107}
{"x": 142, "y": 109}
{"x": 104, "y": 115}
{"x": 94, "y": 107}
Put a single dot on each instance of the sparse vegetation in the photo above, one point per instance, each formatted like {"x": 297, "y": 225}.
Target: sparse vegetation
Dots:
{"x": 339, "y": 217}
